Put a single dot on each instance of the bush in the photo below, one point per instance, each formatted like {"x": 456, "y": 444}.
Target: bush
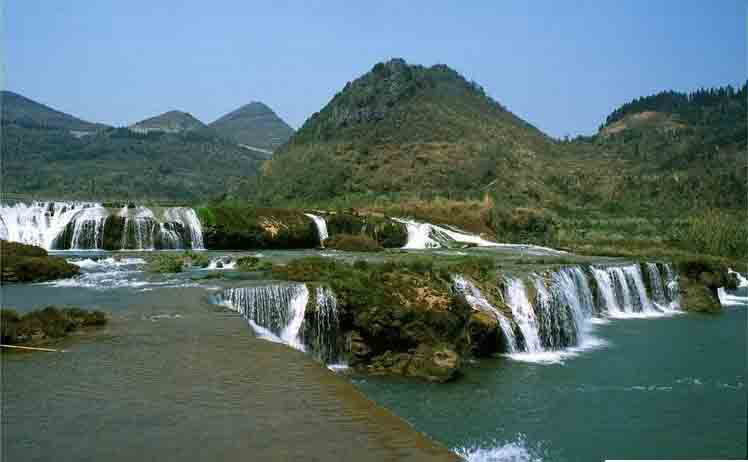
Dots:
{"x": 524, "y": 225}
{"x": 49, "y": 323}
{"x": 353, "y": 243}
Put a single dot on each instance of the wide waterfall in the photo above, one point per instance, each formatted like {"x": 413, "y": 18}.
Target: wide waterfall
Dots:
{"x": 553, "y": 314}
{"x": 89, "y": 225}
{"x": 280, "y": 313}
{"x": 321, "y": 225}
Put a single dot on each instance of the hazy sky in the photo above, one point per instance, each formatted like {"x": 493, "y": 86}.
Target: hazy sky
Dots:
{"x": 562, "y": 66}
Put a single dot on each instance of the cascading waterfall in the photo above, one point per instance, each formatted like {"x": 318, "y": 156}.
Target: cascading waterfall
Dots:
{"x": 186, "y": 217}
{"x": 320, "y": 333}
{"x": 38, "y": 223}
{"x": 476, "y": 300}
{"x": 658, "y": 289}
{"x": 615, "y": 286}
{"x": 321, "y": 225}
{"x": 278, "y": 312}
{"x": 88, "y": 228}
{"x": 275, "y": 312}
{"x": 642, "y": 303}
{"x": 428, "y": 236}
{"x": 524, "y": 315}
{"x": 89, "y": 225}
{"x": 560, "y": 313}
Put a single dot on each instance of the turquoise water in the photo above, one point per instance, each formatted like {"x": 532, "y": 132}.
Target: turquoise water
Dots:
{"x": 175, "y": 376}
{"x": 661, "y": 388}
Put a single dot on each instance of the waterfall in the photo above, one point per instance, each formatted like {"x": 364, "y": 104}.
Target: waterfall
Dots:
{"x": 88, "y": 228}
{"x": 188, "y": 219}
{"x": 321, "y": 225}
{"x": 557, "y": 318}
{"x": 643, "y": 304}
{"x": 38, "y": 223}
{"x": 419, "y": 235}
{"x": 89, "y": 225}
{"x": 655, "y": 281}
{"x": 275, "y": 312}
{"x": 427, "y": 236}
{"x": 279, "y": 313}
{"x": 624, "y": 294}
{"x": 742, "y": 281}
{"x": 524, "y": 315}
{"x": 321, "y": 333}
{"x": 476, "y": 300}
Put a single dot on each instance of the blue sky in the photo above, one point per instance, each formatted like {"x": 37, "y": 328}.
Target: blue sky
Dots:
{"x": 562, "y": 66}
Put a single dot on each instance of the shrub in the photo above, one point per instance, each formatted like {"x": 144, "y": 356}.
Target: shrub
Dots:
{"x": 353, "y": 243}
{"x": 47, "y": 324}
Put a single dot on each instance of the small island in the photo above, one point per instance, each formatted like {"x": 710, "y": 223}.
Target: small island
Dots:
{"x": 45, "y": 326}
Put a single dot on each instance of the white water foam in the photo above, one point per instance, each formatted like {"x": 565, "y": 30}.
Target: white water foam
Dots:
{"x": 423, "y": 235}
{"x": 509, "y": 451}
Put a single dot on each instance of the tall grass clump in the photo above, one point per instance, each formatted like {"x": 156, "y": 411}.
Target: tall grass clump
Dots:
{"x": 714, "y": 232}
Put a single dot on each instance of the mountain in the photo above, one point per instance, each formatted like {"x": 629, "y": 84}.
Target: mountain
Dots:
{"x": 672, "y": 152}
{"x": 401, "y": 128}
{"x": 169, "y": 122}
{"x": 255, "y": 125}
{"x": 24, "y": 112}
{"x": 170, "y": 157}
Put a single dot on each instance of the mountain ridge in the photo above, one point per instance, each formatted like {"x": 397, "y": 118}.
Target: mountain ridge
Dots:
{"x": 22, "y": 111}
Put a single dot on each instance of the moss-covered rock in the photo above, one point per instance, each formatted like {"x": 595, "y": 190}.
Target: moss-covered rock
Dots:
{"x": 484, "y": 334}
{"x": 388, "y": 233}
{"x": 247, "y": 228}
{"x": 28, "y": 263}
{"x": 402, "y": 317}
{"x": 699, "y": 282}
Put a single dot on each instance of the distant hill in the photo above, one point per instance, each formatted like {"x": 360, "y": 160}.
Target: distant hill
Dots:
{"x": 401, "y": 128}
{"x": 169, "y": 157}
{"x": 255, "y": 125}
{"x": 169, "y": 122}
{"x": 24, "y": 112}
{"x": 668, "y": 153}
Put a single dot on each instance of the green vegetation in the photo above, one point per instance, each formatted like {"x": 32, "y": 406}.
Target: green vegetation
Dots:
{"x": 176, "y": 263}
{"x": 401, "y": 316}
{"x": 400, "y": 129}
{"x": 353, "y": 243}
{"x": 253, "y": 264}
{"x": 21, "y": 111}
{"x": 46, "y": 325}
{"x": 716, "y": 233}
{"x": 238, "y": 225}
{"x": 172, "y": 121}
{"x": 28, "y": 263}
{"x": 255, "y": 125}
